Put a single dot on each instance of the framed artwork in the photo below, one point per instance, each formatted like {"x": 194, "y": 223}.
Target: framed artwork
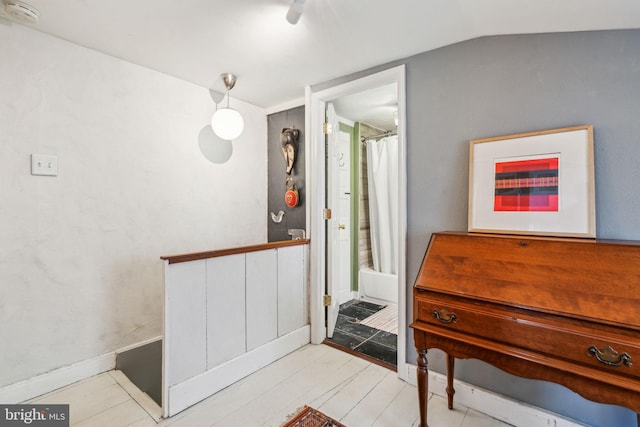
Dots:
{"x": 538, "y": 183}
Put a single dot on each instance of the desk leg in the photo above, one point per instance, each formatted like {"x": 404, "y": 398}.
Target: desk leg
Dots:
{"x": 423, "y": 386}
{"x": 450, "y": 391}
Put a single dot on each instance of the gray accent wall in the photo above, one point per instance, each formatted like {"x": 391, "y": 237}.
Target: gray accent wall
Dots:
{"x": 502, "y": 85}
{"x": 510, "y": 84}
{"x": 293, "y": 217}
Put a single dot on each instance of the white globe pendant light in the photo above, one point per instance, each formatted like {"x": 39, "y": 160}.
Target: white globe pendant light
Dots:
{"x": 226, "y": 122}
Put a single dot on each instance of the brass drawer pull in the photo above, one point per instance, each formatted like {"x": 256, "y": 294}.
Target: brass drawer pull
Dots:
{"x": 610, "y": 357}
{"x": 445, "y": 316}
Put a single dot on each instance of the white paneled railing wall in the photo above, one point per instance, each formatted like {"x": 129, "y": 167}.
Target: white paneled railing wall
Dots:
{"x": 229, "y": 313}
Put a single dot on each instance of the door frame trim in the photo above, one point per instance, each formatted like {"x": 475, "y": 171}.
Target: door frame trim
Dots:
{"x": 314, "y": 139}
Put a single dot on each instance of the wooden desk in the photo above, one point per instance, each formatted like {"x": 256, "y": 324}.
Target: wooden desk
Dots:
{"x": 555, "y": 309}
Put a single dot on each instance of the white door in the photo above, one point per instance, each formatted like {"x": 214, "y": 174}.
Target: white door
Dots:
{"x": 332, "y": 202}
{"x": 343, "y": 216}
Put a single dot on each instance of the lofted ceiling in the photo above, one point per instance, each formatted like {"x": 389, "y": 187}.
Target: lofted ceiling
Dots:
{"x": 196, "y": 40}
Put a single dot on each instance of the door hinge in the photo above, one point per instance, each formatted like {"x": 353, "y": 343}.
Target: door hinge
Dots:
{"x": 326, "y": 128}
{"x": 326, "y": 300}
{"x": 326, "y": 213}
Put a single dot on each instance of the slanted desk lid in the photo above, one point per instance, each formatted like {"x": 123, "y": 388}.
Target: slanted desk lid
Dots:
{"x": 582, "y": 278}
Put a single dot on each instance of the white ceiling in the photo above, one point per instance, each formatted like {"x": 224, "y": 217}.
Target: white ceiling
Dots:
{"x": 374, "y": 107}
{"x": 196, "y": 40}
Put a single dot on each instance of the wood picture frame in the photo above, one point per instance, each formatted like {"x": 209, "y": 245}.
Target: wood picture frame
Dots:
{"x": 535, "y": 183}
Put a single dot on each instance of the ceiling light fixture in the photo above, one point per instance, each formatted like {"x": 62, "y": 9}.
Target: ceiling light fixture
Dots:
{"x": 226, "y": 122}
{"x": 295, "y": 11}
{"x": 21, "y": 12}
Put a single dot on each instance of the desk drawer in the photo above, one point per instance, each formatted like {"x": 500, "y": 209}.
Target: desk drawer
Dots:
{"x": 585, "y": 342}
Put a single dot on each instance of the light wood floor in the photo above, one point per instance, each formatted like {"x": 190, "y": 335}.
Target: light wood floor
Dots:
{"x": 347, "y": 388}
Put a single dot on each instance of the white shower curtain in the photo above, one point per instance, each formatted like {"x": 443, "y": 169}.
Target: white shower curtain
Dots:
{"x": 382, "y": 174}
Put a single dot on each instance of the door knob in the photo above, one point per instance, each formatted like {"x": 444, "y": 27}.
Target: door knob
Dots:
{"x": 342, "y": 226}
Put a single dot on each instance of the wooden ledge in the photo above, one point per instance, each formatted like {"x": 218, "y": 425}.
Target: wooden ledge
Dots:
{"x": 174, "y": 259}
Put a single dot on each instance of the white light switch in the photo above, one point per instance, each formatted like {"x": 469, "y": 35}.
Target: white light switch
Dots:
{"x": 44, "y": 164}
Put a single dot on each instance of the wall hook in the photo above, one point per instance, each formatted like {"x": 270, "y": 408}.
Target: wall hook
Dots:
{"x": 277, "y": 218}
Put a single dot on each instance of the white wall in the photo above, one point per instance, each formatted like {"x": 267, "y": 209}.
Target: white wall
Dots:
{"x": 80, "y": 273}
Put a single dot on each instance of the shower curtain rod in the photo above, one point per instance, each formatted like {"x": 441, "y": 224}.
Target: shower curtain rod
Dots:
{"x": 389, "y": 133}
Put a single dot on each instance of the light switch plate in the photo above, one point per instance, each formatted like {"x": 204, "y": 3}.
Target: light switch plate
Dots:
{"x": 44, "y": 164}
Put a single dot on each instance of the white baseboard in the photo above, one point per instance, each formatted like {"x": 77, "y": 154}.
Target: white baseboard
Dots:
{"x": 62, "y": 377}
{"x": 58, "y": 378}
{"x": 495, "y": 405}
{"x": 195, "y": 389}
{"x": 138, "y": 344}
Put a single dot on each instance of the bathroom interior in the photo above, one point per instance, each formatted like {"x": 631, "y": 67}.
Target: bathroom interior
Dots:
{"x": 365, "y": 177}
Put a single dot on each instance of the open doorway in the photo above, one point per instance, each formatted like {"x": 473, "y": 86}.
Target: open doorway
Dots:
{"x": 367, "y": 117}
{"x": 362, "y": 168}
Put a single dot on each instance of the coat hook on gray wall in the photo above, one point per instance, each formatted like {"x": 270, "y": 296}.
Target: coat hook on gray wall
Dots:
{"x": 277, "y": 218}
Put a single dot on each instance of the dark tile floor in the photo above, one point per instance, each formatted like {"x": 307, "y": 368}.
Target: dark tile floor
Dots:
{"x": 349, "y": 333}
